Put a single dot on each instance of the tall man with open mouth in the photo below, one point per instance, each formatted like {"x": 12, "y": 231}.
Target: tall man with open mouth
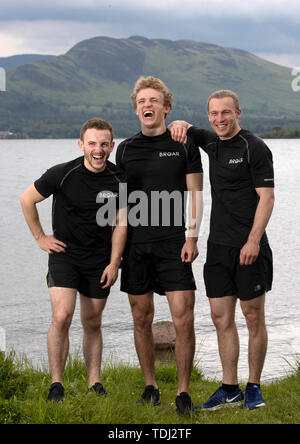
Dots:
{"x": 158, "y": 256}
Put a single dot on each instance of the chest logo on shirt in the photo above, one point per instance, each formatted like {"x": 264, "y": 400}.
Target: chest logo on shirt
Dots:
{"x": 236, "y": 161}
{"x": 169, "y": 154}
{"x": 107, "y": 195}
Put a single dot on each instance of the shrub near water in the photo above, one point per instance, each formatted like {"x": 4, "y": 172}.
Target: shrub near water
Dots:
{"x": 12, "y": 380}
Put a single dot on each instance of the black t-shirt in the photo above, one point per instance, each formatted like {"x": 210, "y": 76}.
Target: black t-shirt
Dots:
{"x": 236, "y": 167}
{"x": 157, "y": 165}
{"x": 78, "y": 197}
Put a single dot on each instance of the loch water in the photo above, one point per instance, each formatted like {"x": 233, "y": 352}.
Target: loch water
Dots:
{"x": 25, "y": 310}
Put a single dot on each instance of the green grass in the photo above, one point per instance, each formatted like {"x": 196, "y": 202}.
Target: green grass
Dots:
{"x": 24, "y": 389}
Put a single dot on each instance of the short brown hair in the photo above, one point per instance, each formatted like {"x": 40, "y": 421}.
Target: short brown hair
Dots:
{"x": 96, "y": 123}
{"x": 154, "y": 83}
{"x": 221, "y": 94}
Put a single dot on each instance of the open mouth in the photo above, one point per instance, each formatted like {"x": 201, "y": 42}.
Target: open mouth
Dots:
{"x": 98, "y": 157}
{"x": 148, "y": 114}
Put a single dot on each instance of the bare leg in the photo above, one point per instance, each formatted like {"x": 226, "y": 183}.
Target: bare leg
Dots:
{"x": 142, "y": 307}
{"x": 254, "y": 313}
{"x": 63, "y": 302}
{"x": 182, "y": 309}
{"x": 223, "y": 316}
{"x": 91, "y": 316}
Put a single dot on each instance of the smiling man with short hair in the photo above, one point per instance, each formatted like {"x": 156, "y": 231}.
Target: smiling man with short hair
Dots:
{"x": 239, "y": 258}
{"x": 83, "y": 256}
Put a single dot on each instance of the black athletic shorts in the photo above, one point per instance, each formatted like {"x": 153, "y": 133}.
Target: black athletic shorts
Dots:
{"x": 156, "y": 266}
{"x": 224, "y": 276}
{"x": 68, "y": 272}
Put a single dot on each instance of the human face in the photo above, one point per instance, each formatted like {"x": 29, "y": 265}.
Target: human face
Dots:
{"x": 224, "y": 117}
{"x": 97, "y": 146}
{"x": 151, "y": 110}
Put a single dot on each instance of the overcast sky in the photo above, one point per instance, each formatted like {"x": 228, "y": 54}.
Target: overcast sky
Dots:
{"x": 268, "y": 28}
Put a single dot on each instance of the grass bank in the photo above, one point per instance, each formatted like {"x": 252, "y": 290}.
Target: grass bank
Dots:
{"x": 24, "y": 389}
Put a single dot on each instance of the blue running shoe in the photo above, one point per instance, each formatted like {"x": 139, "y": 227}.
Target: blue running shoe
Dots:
{"x": 253, "y": 397}
{"x": 221, "y": 399}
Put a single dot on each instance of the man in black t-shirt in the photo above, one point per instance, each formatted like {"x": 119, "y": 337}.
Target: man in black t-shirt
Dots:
{"x": 239, "y": 258}
{"x": 85, "y": 249}
{"x": 158, "y": 257}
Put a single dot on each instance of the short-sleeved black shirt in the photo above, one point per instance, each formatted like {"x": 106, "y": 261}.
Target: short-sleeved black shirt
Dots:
{"x": 157, "y": 164}
{"x": 236, "y": 168}
{"x": 78, "y": 195}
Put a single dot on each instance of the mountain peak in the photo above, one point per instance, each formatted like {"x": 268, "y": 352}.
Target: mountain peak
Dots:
{"x": 96, "y": 77}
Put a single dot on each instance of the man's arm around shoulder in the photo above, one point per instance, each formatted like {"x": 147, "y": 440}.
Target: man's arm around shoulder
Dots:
{"x": 178, "y": 130}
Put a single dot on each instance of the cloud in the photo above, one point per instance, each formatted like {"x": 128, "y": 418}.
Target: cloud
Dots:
{"x": 48, "y": 36}
{"x": 72, "y": 9}
{"x": 10, "y": 44}
{"x": 256, "y": 10}
{"x": 285, "y": 59}
{"x": 261, "y": 27}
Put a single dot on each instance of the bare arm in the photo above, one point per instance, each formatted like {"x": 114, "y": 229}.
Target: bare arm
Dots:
{"x": 194, "y": 184}
{"x": 119, "y": 236}
{"x": 178, "y": 130}
{"x": 264, "y": 209}
{"x": 28, "y": 200}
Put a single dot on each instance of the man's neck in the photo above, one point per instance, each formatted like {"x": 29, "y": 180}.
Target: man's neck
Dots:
{"x": 152, "y": 132}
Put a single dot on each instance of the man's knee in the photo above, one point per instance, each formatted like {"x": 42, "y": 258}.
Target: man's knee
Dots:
{"x": 142, "y": 309}
{"x": 254, "y": 322}
{"x": 222, "y": 320}
{"x": 62, "y": 319}
{"x": 142, "y": 319}
{"x": 254, "y": 315}
{"x": 184, "y": 323}
{"x": 223, "y": 312}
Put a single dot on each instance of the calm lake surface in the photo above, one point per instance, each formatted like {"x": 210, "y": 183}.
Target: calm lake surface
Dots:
{"x": 25, "y": 311}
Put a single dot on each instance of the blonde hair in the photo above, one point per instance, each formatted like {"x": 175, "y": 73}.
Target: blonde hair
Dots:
{"x": 154, "y": 83}
{"x": 221, "y": 94}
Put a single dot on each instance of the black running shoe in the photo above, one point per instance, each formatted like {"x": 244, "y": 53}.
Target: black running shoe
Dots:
{"x": 56, "y": 392}
{"x": 98, "y": 388}
{"x": 184, "y": 404}
{"x": 150, "y": 394}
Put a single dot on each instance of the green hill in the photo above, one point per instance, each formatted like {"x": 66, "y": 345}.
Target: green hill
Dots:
{"x": 53, "y": 97}
{"x": 17, "y": 60}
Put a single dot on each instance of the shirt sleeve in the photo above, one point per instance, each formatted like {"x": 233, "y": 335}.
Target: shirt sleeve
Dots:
{"x": 201, "y": 137}
{"x": 122, "y": 200}
{"x": 47, "y": 184}
{"x": 261, "y": 165}
{"x": 194, "y": 163}
{"x": 119, "y": 155}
